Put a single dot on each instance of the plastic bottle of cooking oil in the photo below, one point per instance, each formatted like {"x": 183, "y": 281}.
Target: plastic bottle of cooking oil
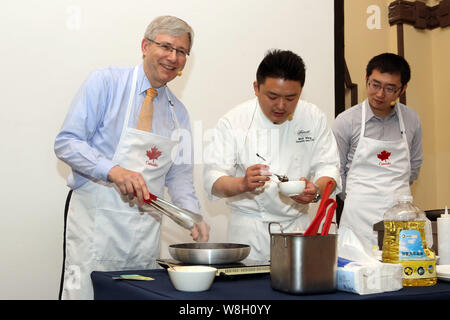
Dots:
{"x": 405, "y": 243}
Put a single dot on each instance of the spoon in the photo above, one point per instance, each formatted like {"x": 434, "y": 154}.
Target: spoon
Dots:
{"x": 280, "y": 177}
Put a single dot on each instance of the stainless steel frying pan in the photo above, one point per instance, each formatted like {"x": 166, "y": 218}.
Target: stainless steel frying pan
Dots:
{"x": 209, "y": 253}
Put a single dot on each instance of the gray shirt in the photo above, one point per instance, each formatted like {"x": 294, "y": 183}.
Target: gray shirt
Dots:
{"x": 347, "y": 128}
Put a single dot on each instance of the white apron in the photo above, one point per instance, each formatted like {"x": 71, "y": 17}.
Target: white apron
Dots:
{"x": 248, "y": 225}
{"x": 105, "y": 231}
{"x": 379, "y": 172}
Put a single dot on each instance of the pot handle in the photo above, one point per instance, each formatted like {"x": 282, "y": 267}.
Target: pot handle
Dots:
{"x": 281, "y": 227}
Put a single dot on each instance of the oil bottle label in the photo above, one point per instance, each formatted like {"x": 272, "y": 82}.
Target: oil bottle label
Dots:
{"x": 419, "y": 269}
{"x": 410, "y": 246}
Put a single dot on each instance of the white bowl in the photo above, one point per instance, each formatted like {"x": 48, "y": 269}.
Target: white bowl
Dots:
{"x": 192, "y": 278}
{"x": 291, "y": 188}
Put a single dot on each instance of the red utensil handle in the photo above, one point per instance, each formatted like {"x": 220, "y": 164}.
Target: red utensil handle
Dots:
{"x": 321, "y": 211}
{"x": 152, "y": 197}
{"x": 329, "y": 218}
{"x": 326, "y": 194}
{"x": 314, "y": 226}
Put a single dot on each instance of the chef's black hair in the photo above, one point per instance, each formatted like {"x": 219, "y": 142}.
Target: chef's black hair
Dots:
{"x": 281, "y": 64}
{"x": 390, "y": 63}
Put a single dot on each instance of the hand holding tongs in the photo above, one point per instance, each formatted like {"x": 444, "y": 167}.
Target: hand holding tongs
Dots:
{"x": 324, "y": 203}
{"x": 183, "y": 217}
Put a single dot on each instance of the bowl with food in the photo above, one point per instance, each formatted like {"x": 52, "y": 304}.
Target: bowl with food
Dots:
{"x": 291, "y": 188}
{"x": 192, "y": 278}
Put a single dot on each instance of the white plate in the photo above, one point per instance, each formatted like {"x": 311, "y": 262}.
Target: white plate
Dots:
{"x": 443, "y": 272}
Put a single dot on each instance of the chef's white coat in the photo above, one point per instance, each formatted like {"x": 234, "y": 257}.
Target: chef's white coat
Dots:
{"x": 301, "y": 147}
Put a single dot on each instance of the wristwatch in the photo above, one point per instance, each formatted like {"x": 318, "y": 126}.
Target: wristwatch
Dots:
{"x": 318, "y": 195}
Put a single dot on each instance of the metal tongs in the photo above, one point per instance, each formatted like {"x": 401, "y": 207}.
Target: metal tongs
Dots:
{"x": 322, "y": 211}
{"x": 183, "y": 217}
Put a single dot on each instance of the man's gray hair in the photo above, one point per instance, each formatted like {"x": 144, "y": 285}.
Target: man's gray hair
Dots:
{"x": 170, "y": 25}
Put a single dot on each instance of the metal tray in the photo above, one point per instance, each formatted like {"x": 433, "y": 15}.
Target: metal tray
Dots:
{"x": 209, "y": 253}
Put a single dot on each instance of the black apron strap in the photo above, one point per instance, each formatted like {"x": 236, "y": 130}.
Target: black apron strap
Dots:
{"x": 66, "y": 210}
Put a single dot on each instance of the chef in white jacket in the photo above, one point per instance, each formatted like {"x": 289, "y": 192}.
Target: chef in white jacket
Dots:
{"x": 275, "y": 132}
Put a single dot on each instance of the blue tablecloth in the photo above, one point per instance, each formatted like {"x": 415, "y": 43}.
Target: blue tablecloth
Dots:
{"x": 252, "y": 287}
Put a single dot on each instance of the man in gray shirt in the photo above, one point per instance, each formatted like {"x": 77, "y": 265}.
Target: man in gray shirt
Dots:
{"x": 380, "y": 146}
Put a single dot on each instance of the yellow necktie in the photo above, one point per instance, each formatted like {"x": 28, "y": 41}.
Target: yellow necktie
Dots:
{"x": 146, "y": 114}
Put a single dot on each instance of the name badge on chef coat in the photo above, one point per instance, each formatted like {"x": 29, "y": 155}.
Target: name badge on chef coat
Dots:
{"x": 304, "y": 136}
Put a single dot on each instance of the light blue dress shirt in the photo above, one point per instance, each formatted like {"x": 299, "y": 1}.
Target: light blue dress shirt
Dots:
{"x": 91, "y": 131}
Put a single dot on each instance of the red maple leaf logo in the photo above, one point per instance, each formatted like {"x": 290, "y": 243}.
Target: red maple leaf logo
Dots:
{"x": 384, "y": 155}
{"x": 153, "y": 154}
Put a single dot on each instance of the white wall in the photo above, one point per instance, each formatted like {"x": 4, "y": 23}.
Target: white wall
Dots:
{"x": 48, "y": 47}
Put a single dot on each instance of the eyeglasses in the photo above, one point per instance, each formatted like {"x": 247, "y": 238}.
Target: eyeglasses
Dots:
{"x": 169, "y": 49}
{"x": 375, "y": 87}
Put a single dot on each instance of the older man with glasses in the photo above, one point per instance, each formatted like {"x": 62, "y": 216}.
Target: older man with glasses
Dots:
{"x": 119, "y": 138}
{"x": 380, "y": 146}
